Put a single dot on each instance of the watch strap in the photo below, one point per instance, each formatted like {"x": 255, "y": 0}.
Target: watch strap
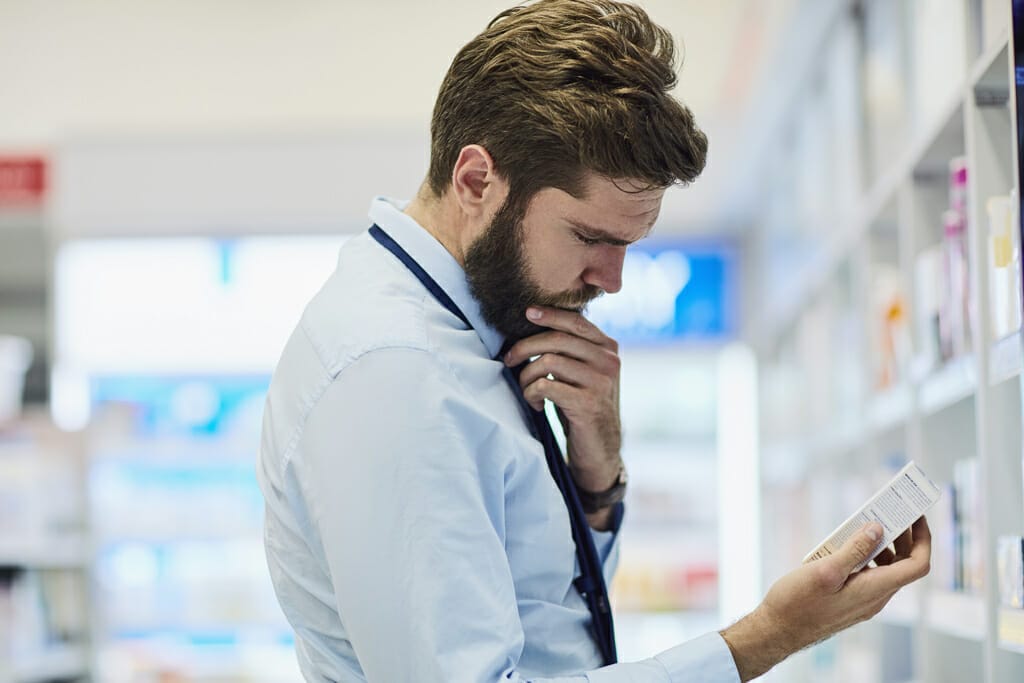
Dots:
{"x": 594, "y": 501}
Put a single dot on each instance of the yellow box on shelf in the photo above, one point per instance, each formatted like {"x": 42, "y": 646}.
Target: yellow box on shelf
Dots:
{"x": 1011, "y": 629}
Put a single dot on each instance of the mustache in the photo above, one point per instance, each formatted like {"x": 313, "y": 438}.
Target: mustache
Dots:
{"x": 575, "y": 300}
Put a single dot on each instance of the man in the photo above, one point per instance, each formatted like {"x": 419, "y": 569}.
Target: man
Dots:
{"x": 421, "y": 523}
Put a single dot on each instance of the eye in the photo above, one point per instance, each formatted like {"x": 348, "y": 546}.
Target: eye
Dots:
{"x": 589, "y": 241}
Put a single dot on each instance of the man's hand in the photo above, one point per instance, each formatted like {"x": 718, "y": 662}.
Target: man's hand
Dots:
{"x": 578, "y": 371}
{"x": 822, "y": 598}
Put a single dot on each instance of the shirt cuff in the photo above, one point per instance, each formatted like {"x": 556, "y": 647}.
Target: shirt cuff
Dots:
{"x": 604, "y": 540}
{"x": 705, "y": 660}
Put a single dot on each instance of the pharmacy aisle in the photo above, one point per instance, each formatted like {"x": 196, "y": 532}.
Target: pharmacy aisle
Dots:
{"x": 897, "y": 336}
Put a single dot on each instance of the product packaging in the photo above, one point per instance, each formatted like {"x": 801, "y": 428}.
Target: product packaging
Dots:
{"x": 928, "y": 287}
{"x": 1004, "y": 266}
{"x": 896, "y": 506}
{"x": 1010, "y": 562}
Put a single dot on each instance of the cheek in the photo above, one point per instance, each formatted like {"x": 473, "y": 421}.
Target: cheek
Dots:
{"x": 553, "y": 267}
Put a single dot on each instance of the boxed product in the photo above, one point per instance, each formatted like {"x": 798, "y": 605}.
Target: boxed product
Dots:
{"x": 1010, "y": 564}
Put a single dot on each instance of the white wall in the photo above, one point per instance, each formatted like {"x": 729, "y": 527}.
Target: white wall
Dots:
{"x": 230, "y": 184}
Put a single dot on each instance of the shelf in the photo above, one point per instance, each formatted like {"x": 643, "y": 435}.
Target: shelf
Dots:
{"x": 57, "y": 663}
{"x": 929, "y": 158}
{"x": 843, "y": 436}
{"x": 990, "y": 76}
{"x": 902, "y": 610}
{"x": 780, "y": 316}
{"x": 1006, "y": 358}
{"x": 890, "y": 408}
{"x": 928, "y": 155}
{"x": 957, "y": 614}
{"x": 950, "y": 384}
{"x": 1011, "y": 629}
{"x": 58, "y": 552}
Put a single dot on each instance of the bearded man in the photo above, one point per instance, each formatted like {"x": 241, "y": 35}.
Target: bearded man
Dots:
{"x": 422, "y": 523}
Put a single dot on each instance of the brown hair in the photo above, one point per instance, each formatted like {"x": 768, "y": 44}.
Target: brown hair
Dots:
{"x": 557, "y": 88}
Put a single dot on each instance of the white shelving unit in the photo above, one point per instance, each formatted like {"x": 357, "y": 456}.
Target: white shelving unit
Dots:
{"x": 836, "y": 417}
{"x": 66, "y": 551}
{"x": 58, "y": 663}
{"x": 45, "y": 556}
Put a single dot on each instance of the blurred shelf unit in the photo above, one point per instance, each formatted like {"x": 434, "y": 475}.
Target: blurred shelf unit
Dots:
{"x": 888, "y": 268}
{"x": 45, "y": 573}
{"x": 957, "y": 614}
{"x": 64, "y": 551}
{"x": 56, "y": 663}
{"x": 181, "y": 583}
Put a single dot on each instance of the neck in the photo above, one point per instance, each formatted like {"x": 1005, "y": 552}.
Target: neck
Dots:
{"x": 442, "y": 220}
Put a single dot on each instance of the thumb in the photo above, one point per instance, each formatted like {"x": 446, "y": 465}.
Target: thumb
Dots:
{"x": 860, "y": 548}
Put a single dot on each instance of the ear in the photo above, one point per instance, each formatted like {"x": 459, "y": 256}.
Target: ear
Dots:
{"x": 476, "y": 185}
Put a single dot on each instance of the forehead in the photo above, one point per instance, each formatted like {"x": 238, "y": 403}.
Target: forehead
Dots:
{"x": 620, "y": 206}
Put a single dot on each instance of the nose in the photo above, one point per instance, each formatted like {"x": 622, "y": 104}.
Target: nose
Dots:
{"x": 605, "y": 270}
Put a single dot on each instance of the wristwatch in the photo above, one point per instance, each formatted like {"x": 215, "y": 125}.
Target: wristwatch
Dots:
{"x": 595, "y": 501}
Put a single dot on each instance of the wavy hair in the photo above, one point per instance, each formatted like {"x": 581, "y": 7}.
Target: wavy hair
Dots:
{"x": 557, "y": 88}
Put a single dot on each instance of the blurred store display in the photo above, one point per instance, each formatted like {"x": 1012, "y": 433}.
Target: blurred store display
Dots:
{"x": 164, "y": 349}
{"x": 926, "y": 268}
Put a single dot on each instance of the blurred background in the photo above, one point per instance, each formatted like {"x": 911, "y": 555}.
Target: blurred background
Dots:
{"x": 839, "y": 293}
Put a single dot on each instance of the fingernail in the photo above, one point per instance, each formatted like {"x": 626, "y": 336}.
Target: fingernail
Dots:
{"x": 508, "y": 357}
{"x": 533, "y": 314}
{"x": 874, "y": 531}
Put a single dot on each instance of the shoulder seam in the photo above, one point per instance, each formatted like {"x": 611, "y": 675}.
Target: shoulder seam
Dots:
{"x": 329, "y": 378}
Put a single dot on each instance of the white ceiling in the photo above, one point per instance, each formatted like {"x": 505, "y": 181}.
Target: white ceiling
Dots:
{"x": 69, "y": 68}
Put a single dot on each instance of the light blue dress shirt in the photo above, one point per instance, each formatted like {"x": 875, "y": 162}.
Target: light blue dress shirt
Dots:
{"x": 413, "y": 530}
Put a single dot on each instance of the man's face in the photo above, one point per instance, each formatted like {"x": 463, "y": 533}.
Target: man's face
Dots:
{"x": 564, "y": 252}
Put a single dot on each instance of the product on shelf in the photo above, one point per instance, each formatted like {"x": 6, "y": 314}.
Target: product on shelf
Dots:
{"x": 1010, "y": 562}
{"x": 958, "y": 561}
{"x": 664, "y": 588}
{"x": 39, "y": 611}
{"x": 958, "y": 185}
{"x": 955, "y": 321}
{"x": 893, "y": 345}
{"x": 41, "y": 498}
{"x": 15, "y": 357}
{"x": 942, "y": 521}
{"x": 942, "y": 281}
{"x": 1004, "y": 265}
{"x": 929, "y": 285}
{"x": 970, "y": 553}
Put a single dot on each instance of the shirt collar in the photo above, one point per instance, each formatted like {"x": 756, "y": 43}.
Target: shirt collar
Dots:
{"x": 437, "y": 261}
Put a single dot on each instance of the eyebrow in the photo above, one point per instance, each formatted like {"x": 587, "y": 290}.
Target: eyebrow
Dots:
{"x": 603, "y": 235}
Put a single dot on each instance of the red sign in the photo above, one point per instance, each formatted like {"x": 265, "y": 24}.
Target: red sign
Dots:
{"x": 22, "y": 180}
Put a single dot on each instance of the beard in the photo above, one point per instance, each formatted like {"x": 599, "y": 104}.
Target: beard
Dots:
{"x": 499, "y": 278}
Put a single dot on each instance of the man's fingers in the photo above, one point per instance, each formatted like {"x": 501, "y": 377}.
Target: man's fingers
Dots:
{"x": 915, "y": 566}
{"x": 569, "y": 321}
{"x": 554, "y": 342}
{"x": 563, "y": 368}
{"x": 904, "y": 542}
{"x": 921, "y": 530}
{"x": 559, "y": 393}
{"x": 886, "y": 557}
{"x": 859, "y": 548}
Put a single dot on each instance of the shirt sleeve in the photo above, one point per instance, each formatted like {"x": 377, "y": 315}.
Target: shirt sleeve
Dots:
{"x": 409, "y": 511}
{"x": 607, "y": 544}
